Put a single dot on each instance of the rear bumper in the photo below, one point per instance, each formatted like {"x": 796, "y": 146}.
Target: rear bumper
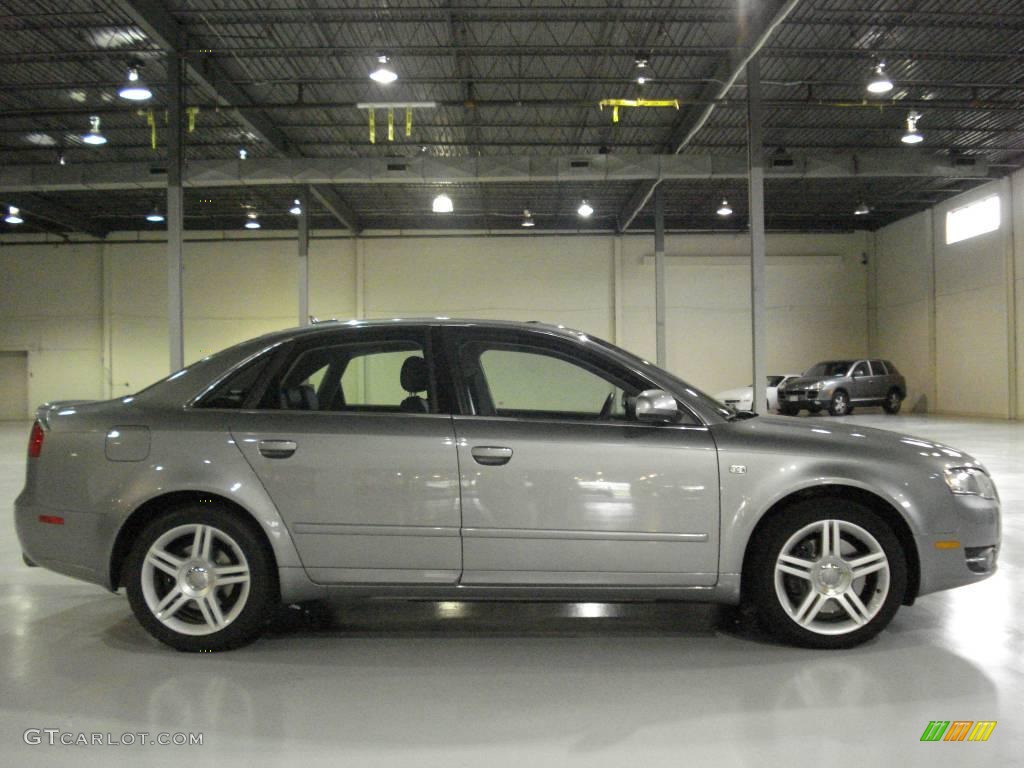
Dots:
{"x": 76, "y": 548}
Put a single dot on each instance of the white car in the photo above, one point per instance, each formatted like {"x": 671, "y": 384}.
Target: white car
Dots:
{"x": 742, "y": 398}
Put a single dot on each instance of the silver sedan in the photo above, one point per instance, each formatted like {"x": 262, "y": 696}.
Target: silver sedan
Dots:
{"x": 485, "y": 460}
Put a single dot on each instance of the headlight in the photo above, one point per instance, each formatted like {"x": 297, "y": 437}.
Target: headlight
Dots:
{"x": 816, "y": 385}
{"x": 970, "y": 481}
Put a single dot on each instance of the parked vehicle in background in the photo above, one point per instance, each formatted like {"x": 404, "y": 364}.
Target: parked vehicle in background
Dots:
{"x": 841, "y": 385}
{"x": 458, "y": 460}
{"x": 742, "y": 398}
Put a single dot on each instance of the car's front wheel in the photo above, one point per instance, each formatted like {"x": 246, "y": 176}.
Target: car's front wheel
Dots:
{"x": 200, "y": 578}
{"x": 826, "y": 573}
{"x": 840, "y": 405}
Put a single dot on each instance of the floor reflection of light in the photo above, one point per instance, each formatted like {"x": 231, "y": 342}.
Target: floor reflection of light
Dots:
{"x": 451, "y": 610}
{"x": 980, "y": 622}
{"x": 592, "y": 610}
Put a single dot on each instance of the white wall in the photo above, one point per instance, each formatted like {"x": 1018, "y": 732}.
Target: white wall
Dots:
{"x": 51, "y": 299}
{"x": 94, "y": 316}
{"x": 951, "y": 315}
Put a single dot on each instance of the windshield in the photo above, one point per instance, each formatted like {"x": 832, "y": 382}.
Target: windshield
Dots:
{"x": 830, "y": 368}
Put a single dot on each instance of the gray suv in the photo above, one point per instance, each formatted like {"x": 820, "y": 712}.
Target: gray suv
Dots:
{"x": 839, "y": 385}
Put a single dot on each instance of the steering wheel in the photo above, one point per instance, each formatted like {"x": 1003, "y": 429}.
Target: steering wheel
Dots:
{"x": 606, "y": 409}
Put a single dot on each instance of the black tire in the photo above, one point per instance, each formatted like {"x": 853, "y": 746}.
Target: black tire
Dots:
{"x": 788, "y": 410}
{"x": 236, "y": 546}
{"x": 861, "y": 533}
{"x": 814, "y": 408}
{"x": 893, "y": 401}
{"x": 840, "y": 405}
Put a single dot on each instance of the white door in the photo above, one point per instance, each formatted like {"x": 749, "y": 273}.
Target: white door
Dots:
{"x": 13, "y": 385}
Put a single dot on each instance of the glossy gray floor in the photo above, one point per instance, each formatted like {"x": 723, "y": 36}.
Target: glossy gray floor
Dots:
{"x": 451, "y": 684}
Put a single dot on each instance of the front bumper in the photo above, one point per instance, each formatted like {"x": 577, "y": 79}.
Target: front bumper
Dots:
{"x": 964, "y": 556}
{"x": 806, "y": 398}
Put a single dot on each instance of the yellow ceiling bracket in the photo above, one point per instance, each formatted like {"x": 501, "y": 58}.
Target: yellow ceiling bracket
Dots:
{"x": 408, "y": 122}
{"x": 151, "y": 122}
{"x": 373, "y": 126}
{"x": 191, "y": 112}
{"x": 615, "y": 104}
{"x": 391, "y": 123}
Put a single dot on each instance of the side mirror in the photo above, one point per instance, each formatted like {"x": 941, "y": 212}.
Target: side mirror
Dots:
{"x": 656, "y": 405}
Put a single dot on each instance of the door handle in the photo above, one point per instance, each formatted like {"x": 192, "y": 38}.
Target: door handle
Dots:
{"x": 277, "y": 449}
{"x": 491, "y": 455}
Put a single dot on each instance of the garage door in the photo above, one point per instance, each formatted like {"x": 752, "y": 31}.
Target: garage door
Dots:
{"x": 13, "y": 385}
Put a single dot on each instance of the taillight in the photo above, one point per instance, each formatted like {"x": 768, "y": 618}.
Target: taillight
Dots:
{"x": 35, "y": 441}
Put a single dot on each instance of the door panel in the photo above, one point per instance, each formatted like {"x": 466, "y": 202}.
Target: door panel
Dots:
{"x": 368, "y": 497}
{"x": 588, "y": 503}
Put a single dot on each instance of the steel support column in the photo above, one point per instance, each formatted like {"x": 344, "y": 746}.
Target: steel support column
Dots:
{"x": 175, "y": 210}
{"x": 755, "y": 187}
{"x": 303, "y": 277}
{"x": 659, "y": 274}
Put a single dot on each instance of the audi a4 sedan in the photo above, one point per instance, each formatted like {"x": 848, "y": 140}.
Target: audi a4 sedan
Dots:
{"x": 454, "y": 459}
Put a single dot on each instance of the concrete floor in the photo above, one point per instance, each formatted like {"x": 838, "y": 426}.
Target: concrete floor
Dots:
{"x": 457, "y": 684}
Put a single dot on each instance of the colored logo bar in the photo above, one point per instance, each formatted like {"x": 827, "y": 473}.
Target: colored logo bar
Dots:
{"x": 958, "y": 730}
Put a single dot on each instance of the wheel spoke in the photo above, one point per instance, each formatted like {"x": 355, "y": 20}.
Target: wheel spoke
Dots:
{"x": 231, "y": 574}
{"x": 164, "y": 561}
{"x": 862, "y": 566}
{"x": 853, "y": 606}
{"x": 168, "y": 612}
{"x": 810, "y": 607}
{"x": 202, "y": 544}
{"x": 795, "y": 566}
{"x": 210, "y": 609}
{"x": 829, "y": 538}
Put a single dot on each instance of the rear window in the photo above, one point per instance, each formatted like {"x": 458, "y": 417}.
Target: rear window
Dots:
{"x": 891, "y": 368}
{"x": 234, "y": 391}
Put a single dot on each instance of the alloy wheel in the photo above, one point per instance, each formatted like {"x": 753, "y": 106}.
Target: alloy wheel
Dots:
{"x": 832, "y": 577}
{"x": 195, "y": 579}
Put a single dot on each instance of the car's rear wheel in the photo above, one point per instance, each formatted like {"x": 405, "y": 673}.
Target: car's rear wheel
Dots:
{"x": 201, "y": 579}
{"x": 840, "y": 405}
{"x": 826, "y": 573}
{"x": 893, "y": 401}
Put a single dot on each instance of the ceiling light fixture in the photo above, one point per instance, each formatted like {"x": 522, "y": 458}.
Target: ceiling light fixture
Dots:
{"x": 443, "y": 204}
{"x": 253, "y": 220}
{"x": 94, "y": 136}
{"x": 861, "y": 210}
{"x": 879, "y": 82}
{"x": 643, "y": 72}
{"x": 383, "y": 74}
{"x": 12, "y": 216}
{"x": 296, "y": 209}
{"x": 586, "y": 210}
{"x": 528, "y": 218}
{"x": 243, "y": 154}
{"x": 912, "y": 136}
{"x": 724, "y": 209}
{"x": 155, "y": 216}
{"x": 134, "y": 89}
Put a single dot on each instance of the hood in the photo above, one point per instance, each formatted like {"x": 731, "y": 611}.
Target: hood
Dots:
{"x": 804, "y": 381}
{"x": 848, "y": 441}
{"x": 739, "y": 393}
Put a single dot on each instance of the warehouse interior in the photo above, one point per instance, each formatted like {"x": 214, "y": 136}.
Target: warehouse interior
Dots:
{"x": 608, "y": 166}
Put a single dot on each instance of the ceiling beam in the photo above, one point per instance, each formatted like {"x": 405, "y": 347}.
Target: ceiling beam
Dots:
{"x": 34, "y": 206}
{"x": 161, "y": 27}
{"x": 338, "y": 208}
{"x": 754, "y": 32}
{"x": 486, "y": 169}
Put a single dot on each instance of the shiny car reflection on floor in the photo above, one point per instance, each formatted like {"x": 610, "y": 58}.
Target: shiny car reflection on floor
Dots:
{"x": 466, "y": 460}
